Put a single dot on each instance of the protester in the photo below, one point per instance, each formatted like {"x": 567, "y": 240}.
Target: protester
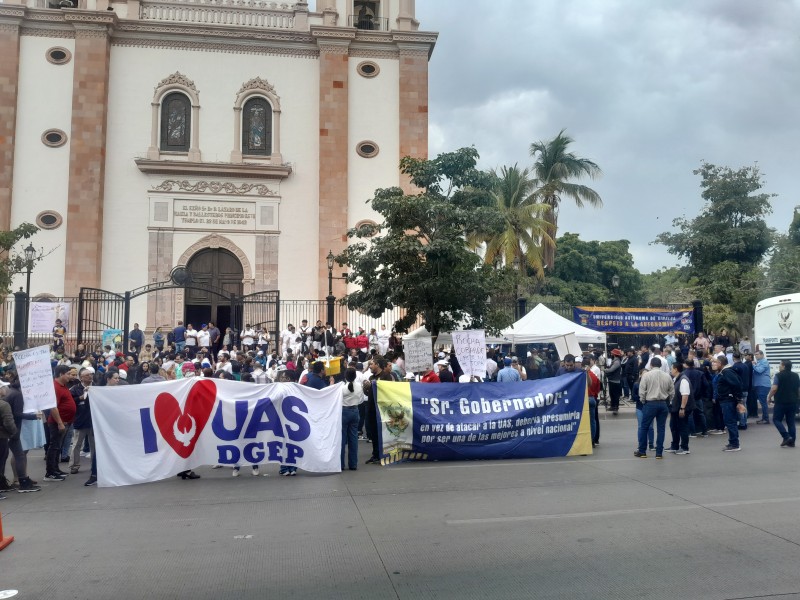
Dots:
{"x": 785, "y": 391}
{"x": 353, "y": 396}
{"x": 681, "y": 407}
{"x": 656, "y": 388}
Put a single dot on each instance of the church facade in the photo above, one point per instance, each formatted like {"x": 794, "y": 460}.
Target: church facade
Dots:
{"x": 237, "y": 138}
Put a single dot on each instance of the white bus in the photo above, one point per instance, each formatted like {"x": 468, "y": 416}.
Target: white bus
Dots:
{"x": 777, "y": 329}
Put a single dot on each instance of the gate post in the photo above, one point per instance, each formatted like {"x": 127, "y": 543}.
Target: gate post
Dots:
{"x": 20, "y": 317}
{"x": 126, "y": 320}
{"x": 80, "y": 316}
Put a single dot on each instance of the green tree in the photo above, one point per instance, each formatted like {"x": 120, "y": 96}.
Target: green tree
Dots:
{"x": 583, "y": 272}
{"x": 418, "y": 257}
{"x": 13, "y": 264}
{"x": 554, "y": 169}
{"x": 524, "y": 230}
{"x": 726, "y": 243}
{"x": 783, "y": 276}
{"x": 667, "y": 286}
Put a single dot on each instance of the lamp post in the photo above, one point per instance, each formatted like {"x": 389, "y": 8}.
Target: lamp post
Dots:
{"x": 30, "y": 256}
{"x": 615, "y": 286}
{"x": 330, "y": 299}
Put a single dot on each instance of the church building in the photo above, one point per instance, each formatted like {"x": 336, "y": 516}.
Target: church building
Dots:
{"x": 237, "y": 138}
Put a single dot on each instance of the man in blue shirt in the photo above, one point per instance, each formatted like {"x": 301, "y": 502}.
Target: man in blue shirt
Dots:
{"x": 508, "y": 373}
{"x": 316, "y": 379}
{"x": 179, "y": 334}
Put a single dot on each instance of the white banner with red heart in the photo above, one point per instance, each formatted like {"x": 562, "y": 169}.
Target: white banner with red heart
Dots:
{"x": 153, "y": 431}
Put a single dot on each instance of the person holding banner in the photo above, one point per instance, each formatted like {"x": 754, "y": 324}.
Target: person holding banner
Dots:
{"x": 353, "y": 396}
{"x": 83, "y": 424}
{"x": 15, "y": 444}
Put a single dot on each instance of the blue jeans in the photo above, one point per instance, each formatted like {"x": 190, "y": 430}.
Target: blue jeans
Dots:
{"x": 762, "y": 391}
{"x": 592, "y": 407}
{"x": 179, "y": 346}
{"x": 787, "y": 412}
{"x": 731, "y": 420}
{"x": 651, "y": 433}
{"x": 66, "y": 445}
{"x": 350, "y": 436}
{"x": 653, "y": 410}
{"x": 743, "y": 416}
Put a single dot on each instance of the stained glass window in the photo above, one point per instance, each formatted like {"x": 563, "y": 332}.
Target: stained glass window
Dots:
{"x": 176, "y": 118}
{"x": 257, "y": 127}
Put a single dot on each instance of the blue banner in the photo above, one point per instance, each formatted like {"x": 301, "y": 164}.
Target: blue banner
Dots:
{"x": 612, "y": 319}
{"x": 467, "y": 421}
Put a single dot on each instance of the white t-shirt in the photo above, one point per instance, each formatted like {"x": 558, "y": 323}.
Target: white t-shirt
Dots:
{"x": 203, "y": 338}
{"x": 263, "y": 338}
{"x": 225, "y": 367}
{"x": 247, "y": 337}
{"x": 191, "y": 337}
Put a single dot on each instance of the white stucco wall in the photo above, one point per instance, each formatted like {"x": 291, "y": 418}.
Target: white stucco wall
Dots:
{"x": 374, "y": 116}
{"x": 41, "y": 173}
{"x": 218, "y": 77}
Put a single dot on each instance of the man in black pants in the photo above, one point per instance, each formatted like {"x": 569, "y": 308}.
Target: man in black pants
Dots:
{"x": 57, "y": 422}
{"x": 377, "y": 368}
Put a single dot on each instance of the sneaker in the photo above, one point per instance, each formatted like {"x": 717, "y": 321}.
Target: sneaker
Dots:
{"x": 372, "y": 461}
{"x": 216, "y": 467}
{"x": 65, "y": 459}
{"x": 638, "y": 454}
{"x": 62, "y": 473}
{"x": 659, "y": 457}
{"x": 681, "y": 452}
{"x": 5, "y": 485}
{"x": 85, "y": 455}
{"x": 692, "y": 435}
{"x": 26, "y": 485}
{"x": 652, "y": 448}
{"x": 74, "y": 469}
{"x": 717, "y": 432}
{"x": 291, "y": 473}
{"x": 54, "y": 477}
{"x": 742, "y": 427}
{"x": 3, "y": 497}
{"x": 703, "y": 435}
{"x": 784, "y": 444}
{"x": 235, "y": 472}
{"x": 91, "y": 482}
{"x": 790, "y": 444}
{"x": 255, "y": 471}
{"x": 730, "y": 448}
{"x": 671, "y": 450}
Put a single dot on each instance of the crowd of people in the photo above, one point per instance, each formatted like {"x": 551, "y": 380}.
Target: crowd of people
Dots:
{"x": 705, "y": 387}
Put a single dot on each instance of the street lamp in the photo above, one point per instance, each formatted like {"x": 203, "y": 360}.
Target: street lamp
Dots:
{"x": 30, "y": 256}
{"x": 330, "y": 299}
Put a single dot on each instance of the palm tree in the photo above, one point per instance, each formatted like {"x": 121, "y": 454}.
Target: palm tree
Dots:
{"x": 525, "y": 226}
{"x": 553, "y": 169}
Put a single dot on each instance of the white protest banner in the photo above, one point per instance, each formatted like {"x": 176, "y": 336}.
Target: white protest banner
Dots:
{"x": 152, "y": 431}
{"x": 35, "y": 378}
{"x": 418, "y": 354}
{"x": 43, "y": 315}
{"x": 470, "y": 347}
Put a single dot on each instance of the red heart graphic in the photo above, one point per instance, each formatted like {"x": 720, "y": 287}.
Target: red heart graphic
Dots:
{"x": 181, "y": 430}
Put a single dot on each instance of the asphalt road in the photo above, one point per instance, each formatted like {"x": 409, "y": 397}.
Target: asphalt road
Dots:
{"x": 711, "y": 525}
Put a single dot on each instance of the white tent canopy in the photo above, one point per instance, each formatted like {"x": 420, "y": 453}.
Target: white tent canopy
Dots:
{"x": 540, "y": 326}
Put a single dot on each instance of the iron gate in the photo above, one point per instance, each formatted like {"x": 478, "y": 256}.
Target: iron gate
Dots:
{"x": 100, "y": 310}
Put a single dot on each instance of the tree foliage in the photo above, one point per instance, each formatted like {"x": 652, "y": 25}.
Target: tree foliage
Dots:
{"x": 784, "y": 265}
{"x": 13, "y": 264}
{"x": 728, "y": 240}
{"x": 418, "y": 258}
{"x": 667, "y": 286}
{"x": 554, "y": 169}
{"x": 583, "y": 272}
{"x": 525, "y": 225}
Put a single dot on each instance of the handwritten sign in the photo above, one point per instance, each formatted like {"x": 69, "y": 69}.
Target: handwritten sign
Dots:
{"x": 35, "y": 378}
{"x": 470, "y": 347}
{"x": 215, "y": 215}
{"x": 43, "y": 316}
{"x": 419, "y": 354}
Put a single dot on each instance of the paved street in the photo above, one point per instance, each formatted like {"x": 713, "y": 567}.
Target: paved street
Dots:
{"x": 711, "y": 525}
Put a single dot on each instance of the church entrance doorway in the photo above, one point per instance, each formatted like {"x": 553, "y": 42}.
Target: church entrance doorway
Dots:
{"x": 213, "y": 269}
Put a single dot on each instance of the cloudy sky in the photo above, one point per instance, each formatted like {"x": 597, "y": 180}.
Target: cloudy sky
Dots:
{"x": 647, "y": 88}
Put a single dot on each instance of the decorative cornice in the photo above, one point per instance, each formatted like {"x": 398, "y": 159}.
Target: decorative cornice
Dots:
{"x": 80, "y": 15}
{"x": 37, "y": 30}
{"x": 423, "y": 37}
{"x": 340, "y": 33}
{"x": 326, "y": 47}
{"x": 414, "y": 52}
{"x": 214, "y": 187}
{"x": 257, "y": 84}
{"x": 12, "y": 27}
{"x": 177, "y": 78}
{"x": 11, "y": 11}
{"x": 204, "y": 169}
{"x": 360, "y": 52}
{"x": 91, "y": 32}
{"x": 228, "y": 47}
{"x": 239, "y": 33}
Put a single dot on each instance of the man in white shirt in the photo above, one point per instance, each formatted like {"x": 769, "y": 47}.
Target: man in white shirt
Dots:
{"x": 190, "y": 338}
{"x": 224, "y": 364}
{"x": 287, "y": 339}
{"x": 383, "y": 340}
{"x": 204, "y": 337}
{"x": 248, "y": 337}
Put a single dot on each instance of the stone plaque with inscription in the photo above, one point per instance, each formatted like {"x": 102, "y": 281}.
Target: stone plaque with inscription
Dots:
{"x": 203, "y": 214}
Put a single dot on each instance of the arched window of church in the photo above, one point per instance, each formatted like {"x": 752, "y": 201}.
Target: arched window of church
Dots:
{"x": 176, "y": 123}
{"x": 257, "y": 127}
